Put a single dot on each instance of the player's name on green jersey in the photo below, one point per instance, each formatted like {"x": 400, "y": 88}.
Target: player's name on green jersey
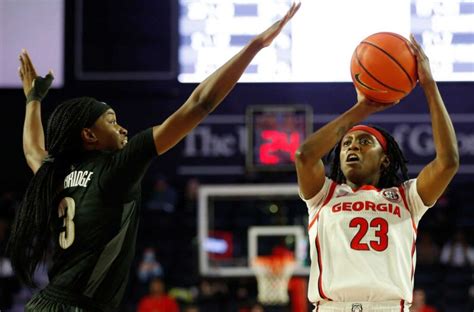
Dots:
{"x": 78, "y": 178}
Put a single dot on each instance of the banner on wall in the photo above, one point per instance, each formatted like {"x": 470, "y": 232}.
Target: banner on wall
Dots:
{"x": 219, "y": 145}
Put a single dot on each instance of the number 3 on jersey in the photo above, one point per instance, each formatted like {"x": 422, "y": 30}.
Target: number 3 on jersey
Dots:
{"x": 66, "y": 210}
{"x": 381, "y": 230}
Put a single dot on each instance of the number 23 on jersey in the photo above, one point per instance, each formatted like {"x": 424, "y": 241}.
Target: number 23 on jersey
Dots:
{"x": 379, "y": 225}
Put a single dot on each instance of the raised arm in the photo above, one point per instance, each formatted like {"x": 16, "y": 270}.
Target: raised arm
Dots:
{"x": 435, "y": 177}
{"x": 210, "y": 93}
{"x": 309, "y": 166}
{"x": 35, "y": 89}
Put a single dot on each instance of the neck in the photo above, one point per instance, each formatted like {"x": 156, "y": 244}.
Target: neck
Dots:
{"x": 355, "y": 184}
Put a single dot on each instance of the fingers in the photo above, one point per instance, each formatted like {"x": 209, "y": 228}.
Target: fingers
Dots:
{"x": 416, "y": 47}
{"x": 290, "y": 10}
{"x": 24, "y": 65}
{"x": 284, "y": 19}
{"x": 20, "y": 72}
{"x": 411, "y": 47}
{"x": 21, "y": 68}
{"x": 387, "y": 106}
{"x": 290, "y": 13}
{"x": 413, "y": 41}
{"x": 28, "y": 64}
{"x": 270, "y": 33}
{"x": 413, "y": 44}
{"x": 294, "y": 8}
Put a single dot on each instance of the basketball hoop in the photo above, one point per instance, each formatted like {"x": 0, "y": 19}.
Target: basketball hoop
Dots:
{"x": 273, "y": 274}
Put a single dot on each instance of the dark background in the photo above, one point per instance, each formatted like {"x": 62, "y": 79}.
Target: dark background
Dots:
{"x": 125, "y": 54}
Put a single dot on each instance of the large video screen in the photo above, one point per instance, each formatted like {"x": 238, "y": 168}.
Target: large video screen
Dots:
{"x": 318, "y": 43}
{"x": 37, "y": 26}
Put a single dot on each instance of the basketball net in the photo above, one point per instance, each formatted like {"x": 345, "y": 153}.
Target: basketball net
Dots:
{"x": 273, "y": 274}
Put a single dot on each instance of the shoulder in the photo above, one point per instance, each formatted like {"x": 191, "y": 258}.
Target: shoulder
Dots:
{"x": 413, "y": 200}
{"x": 408, "y": 184}
{"x": 326, "y": 192}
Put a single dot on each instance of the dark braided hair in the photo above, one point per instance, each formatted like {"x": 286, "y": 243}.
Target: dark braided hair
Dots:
{"x": 32, "y": 228}
{"x": 390, "y": 176}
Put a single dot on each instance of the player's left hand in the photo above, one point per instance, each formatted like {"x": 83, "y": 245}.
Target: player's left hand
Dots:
{"x": 423, "y": 63}
{"x": 35, "y": 87}
{"x": 266, "y": 38}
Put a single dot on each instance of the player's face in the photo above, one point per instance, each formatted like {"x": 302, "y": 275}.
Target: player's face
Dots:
{"x": 361, "y": 158}
{"x": 110, "y": 135}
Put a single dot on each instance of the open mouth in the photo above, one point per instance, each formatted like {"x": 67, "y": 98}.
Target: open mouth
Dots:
{"x": 351, "y": 158}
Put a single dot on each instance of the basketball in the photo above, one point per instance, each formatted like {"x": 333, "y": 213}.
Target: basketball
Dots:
{"x": 384, "y": 68}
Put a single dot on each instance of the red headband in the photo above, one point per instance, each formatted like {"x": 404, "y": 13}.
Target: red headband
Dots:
{"x": 376, "y": 133}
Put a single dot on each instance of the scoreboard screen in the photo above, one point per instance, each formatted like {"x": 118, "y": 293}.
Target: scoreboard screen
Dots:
{"x": 316, "y": 46}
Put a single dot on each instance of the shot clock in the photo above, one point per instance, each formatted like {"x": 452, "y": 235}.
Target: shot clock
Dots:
{"x": 274, "y": 135}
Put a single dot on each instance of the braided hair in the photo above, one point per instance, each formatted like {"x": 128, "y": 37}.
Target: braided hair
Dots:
{"x": 32, "y": 228}
{"x": 393, "y": 175}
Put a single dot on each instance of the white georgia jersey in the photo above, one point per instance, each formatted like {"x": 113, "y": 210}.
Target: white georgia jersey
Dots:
{"x": 362, "y": 242}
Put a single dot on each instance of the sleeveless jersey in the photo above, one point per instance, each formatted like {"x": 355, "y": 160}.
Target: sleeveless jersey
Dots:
{"x": 362, "y": 242}
{"x": 97, "y": 223}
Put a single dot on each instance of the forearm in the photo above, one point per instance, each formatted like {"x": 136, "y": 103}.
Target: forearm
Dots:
{"x": 444, "y": 136}
{"x": 33, "y": 135}
{"x": 35, "y": 88}
{"x": 322, "y": 141}
{"x": 209, "y": 94}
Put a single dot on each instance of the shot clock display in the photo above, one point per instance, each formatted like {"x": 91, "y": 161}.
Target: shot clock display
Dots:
{"x": 274, "y": 135}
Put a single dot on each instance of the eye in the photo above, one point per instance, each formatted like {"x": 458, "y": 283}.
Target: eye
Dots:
{"x": 365, "y": 141}
{"x": 346, "y": 143}
{"x": 113, "y": 122}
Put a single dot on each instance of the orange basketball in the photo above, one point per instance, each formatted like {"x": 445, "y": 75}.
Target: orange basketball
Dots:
{"x": 383, "y": 67}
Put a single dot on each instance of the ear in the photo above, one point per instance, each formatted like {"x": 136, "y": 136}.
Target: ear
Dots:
{"x": 88, "y": 136}
{"x": 385, "y": 162}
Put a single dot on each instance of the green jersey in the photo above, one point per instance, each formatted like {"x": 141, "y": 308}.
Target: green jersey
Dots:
{"x": 97, "y": 223}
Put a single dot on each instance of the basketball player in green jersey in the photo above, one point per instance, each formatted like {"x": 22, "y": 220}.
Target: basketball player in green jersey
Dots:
{"x": 84, "y": 196}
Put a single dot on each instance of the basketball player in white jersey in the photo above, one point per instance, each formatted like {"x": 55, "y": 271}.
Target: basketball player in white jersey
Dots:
{"x": 363, "y": 218}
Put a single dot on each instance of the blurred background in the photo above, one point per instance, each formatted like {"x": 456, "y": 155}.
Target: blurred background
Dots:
{"x": 227, "y": 192}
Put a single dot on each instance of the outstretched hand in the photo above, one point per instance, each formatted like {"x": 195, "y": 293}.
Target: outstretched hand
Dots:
{"x": 35, "y": 87}
{"x": 423, "y": 63}
{"x": 266, "y": 38}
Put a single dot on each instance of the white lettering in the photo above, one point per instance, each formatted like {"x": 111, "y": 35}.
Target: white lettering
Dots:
{"x": 198, "y": 142}
{"x": 74, "y": 178}
{"x": 81, "y": 178}
{"x": 421, "y": 140}
{"x": 203, "y": 143}
{"x": 466, "y": 143}
{"x": 78, "y": 178}
{"x": 399, "y": 134}
{"x": 88, "y": 178}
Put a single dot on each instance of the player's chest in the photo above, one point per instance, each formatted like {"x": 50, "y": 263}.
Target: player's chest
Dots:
{"x": 368, "y": 220}
{"x": 346, "y": 205}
